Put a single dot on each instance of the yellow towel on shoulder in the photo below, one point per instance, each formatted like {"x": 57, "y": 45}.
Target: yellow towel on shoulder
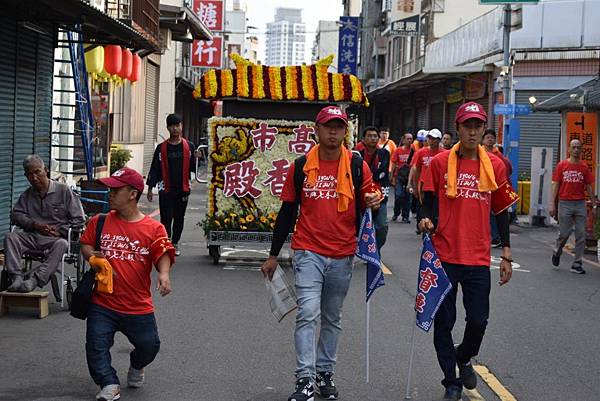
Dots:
{"x": 104, "y": 274}
{"x": 344, "y": 186}
{"x": 487, "y": 180}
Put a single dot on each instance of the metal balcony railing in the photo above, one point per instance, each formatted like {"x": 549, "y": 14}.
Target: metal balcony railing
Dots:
{"x": 140, "y": 14}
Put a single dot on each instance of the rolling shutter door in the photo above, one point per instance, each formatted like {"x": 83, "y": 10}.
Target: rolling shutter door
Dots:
{"x": 452, "y": 109}
{"x": 421, "y": 123}
{"x": 7, "y": 118}
{"x": 150, "y": 126}
{"x": 537, "y": 129}
{"x": 436, "y": 116}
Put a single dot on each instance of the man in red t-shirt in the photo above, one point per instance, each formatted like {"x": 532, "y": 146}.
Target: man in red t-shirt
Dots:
{"x": 130, "y": 244}
{"x": 324, "y": 243}
{"x": 462, "y": 241}
{"x": 420, "y": 165}
{"x": 401, "y": 160}
{"x": 571, "y": 179}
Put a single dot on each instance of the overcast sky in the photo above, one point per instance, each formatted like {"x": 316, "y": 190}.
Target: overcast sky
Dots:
{"x": 259, "y": 12}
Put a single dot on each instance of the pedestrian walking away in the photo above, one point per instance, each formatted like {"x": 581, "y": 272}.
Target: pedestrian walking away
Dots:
{"x": 401, "y": 160}
{"x": 170, "y": 171}
{"x": 332, "y": 186}
{"x": 468, "y": 183}
{"x": 570, "y": 181}
{"x": 45, "y": 212}
{"x": 378, "y": 161}
{"x": 130, "y": 244}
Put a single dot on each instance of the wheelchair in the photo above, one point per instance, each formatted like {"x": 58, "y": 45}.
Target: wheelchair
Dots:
{"x": 64, "y": 288}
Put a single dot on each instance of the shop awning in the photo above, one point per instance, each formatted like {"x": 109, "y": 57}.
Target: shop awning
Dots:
{"x": 183, "y": 23}
{"x": 585, "y": 95}
{"x": 97, "y": 26}
{"x": 423, "y": 79}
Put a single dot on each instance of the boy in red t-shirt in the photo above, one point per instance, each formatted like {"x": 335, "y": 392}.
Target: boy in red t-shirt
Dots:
{"x": 130, "y": 244}
{"x": 324, "y": 243}
{"x": 571, "y": 179}
{"x": 466, "y": 182}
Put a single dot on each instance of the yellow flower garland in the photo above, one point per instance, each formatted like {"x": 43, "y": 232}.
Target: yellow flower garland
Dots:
{"x": 275, "y": 81}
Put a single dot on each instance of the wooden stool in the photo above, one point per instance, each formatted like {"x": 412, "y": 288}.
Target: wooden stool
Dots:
{"x": 34, "y": 299}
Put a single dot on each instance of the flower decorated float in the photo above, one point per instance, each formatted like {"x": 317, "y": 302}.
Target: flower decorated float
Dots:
{"x": 268, "y": 121}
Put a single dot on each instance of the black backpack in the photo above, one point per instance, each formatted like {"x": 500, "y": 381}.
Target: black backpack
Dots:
{"x": 82, "y": 296}
{"x": 357, "y": 179}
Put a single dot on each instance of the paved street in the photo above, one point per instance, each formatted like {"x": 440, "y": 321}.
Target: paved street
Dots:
{"x": 220, "y": 343}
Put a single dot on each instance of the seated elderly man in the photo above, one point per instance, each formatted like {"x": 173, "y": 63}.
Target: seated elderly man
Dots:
{"x": 45, "y": 211}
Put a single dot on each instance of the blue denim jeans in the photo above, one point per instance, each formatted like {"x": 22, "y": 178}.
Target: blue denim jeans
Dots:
{"x": 475, "y": 283}
{"x": 381, "y": 224}
{"x": 102, "y": 324}
{"x": 321, "y": 286}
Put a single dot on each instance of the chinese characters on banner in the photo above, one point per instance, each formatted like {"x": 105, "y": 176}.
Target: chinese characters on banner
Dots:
{"x": 210, "y": 12}
{"x": 407, "y": 27}
{"x": 348, "y": 45}
{"x": 209, "y": 53}
{"x": 584, "y": 126}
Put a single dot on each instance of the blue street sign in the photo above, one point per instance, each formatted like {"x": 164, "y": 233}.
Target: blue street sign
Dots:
{"x": 512, "y": 109}
{"x": 348, "y": 45}
{"x": 514, "y": 136}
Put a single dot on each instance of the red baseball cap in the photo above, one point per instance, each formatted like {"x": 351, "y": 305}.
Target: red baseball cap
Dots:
{"x": 123, "y": 177}
{"x": 331, "y": 113}
{"x": 470, "y": 110}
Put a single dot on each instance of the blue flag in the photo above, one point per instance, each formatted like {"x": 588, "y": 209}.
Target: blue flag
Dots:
{"x": 367, "y": 251}
{"x": 432, "y": 285}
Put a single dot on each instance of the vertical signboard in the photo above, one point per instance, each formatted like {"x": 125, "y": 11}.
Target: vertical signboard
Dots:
{"x": 584, "y": 126}
{"x": 209, "y": 53}
{"x": 348, "y": 45}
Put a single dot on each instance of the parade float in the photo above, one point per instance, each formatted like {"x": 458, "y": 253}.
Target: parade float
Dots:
{"x": 267, "y": 121}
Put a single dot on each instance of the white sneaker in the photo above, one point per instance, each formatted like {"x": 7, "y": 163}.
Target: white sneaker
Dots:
{"x": 109, "y": 393}
{"x": 177, "y": 251}
{"x": 135, "y": 377}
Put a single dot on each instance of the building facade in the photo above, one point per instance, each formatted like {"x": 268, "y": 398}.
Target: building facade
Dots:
{"x": 326, "y": 42}
{"x": 286, "y": 38}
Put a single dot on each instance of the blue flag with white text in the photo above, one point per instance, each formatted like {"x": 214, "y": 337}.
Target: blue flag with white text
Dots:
{"x": 366, "y": 249}
{"x": 432, "y": 285}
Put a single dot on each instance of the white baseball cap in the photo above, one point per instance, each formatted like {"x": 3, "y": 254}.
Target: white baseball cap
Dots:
{"x": 435, "y": 133}
{"x": 421, "y": 134}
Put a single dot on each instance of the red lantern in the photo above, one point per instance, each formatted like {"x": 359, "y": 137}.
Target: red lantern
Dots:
{"x": 136, "y": 68}
{"x": 113, "y": 59}
{"x": 127, "y": 64}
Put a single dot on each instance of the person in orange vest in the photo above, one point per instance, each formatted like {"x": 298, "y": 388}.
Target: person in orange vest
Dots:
{"x": 171, "y": 172}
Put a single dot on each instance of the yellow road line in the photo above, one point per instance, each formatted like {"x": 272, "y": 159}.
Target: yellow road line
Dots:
{"x": 385, "y": 269}
{"x": 493, "y": 383}
{"x": 473, "y": 395}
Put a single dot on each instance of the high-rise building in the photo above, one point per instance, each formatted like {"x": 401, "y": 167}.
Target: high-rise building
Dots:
{"x": 286, "y": 38}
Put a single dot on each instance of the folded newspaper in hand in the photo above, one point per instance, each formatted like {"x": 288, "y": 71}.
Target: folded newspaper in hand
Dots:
{"x": 283, "y": 295}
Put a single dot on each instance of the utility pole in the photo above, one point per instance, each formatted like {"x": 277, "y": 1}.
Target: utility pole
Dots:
{"x": 506, "y": 71}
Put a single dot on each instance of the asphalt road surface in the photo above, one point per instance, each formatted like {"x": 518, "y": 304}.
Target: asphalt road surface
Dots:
{"x": 220, "y": 342}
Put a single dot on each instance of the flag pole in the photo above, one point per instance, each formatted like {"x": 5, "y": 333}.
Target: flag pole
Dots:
{"x": 410, "y": 360}
{"x": 368, "y": 323}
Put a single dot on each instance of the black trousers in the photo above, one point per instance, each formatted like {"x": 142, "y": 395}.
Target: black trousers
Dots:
{"x": 475, "y": 284}
{"x": 172, "y": 206}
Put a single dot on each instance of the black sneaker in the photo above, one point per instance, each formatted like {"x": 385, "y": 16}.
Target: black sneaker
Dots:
{"x": 325, "y": 386}
{"x": 467, "y": 375}
{"x": 496, "y": 243}
{"x": 452, "y": 394}
{"x": 555, "y": 259}
{"x": 304, "y": 391}
{"x": 577, "y": 269}
{"x": 406, "y": 221}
